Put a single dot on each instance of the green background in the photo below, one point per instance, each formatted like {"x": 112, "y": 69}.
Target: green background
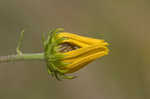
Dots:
{"x": 123, "y": 74}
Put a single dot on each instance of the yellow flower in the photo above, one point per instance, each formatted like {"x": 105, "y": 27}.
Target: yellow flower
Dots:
{"x": 66, "y": 52}
{"x": 80, "y": 50}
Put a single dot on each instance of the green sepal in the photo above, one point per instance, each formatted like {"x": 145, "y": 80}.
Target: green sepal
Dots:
{"x": 69, "y": 77}
{"x": 53, "y": 57}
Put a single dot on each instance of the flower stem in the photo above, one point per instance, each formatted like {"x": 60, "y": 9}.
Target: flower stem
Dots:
{"x": 22, "y": 57}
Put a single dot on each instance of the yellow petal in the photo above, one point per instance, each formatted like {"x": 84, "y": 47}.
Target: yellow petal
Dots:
{"x": 85, "y": 40}
{"x": 90, "y": 49}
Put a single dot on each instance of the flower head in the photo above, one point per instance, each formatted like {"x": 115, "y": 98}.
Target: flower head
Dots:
{"x": 67, "y": 52}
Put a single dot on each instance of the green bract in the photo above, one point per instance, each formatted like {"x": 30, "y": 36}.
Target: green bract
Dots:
{"x": 52, "y": 55}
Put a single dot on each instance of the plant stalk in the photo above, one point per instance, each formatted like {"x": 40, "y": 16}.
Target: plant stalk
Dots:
{"x": 22, "y": 57}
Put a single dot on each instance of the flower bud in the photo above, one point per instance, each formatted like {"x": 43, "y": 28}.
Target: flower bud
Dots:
{"x": 67, "y": 52}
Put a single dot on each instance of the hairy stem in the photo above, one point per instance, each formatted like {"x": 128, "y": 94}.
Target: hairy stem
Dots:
{"x": 22, "y": 57}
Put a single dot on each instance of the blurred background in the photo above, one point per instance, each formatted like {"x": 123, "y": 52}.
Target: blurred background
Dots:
{"x": 123, "y": 74}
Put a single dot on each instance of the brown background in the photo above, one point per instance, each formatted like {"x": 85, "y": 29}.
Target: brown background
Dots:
{"x": 124, "y": 74}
